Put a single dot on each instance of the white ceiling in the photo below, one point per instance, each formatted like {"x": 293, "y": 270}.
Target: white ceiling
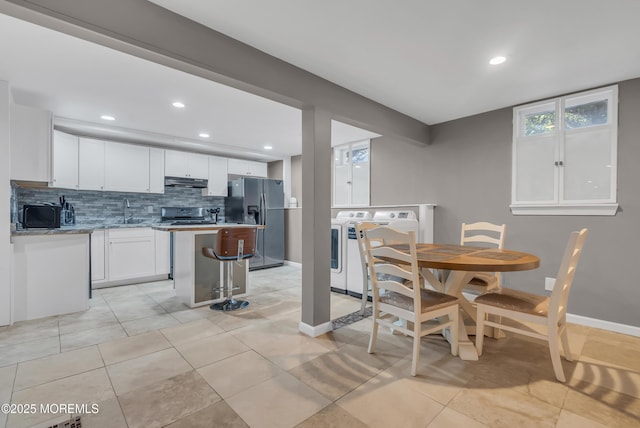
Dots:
{"x": 79, "y": 80}
{"x": 429, "y": 58}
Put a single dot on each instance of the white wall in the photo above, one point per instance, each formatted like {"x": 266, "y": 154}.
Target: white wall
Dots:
{"x": 5, "y": 195}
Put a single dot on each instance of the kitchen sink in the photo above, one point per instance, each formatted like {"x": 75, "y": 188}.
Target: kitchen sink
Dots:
{"x": 135, "y": 221}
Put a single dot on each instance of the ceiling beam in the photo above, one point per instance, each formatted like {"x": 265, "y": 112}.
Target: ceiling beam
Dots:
{"x": 143, "y": 29}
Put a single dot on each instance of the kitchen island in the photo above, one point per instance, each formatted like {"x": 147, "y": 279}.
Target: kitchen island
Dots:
{"x": 196, "y": 278}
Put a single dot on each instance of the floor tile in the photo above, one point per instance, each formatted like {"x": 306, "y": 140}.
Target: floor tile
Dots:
{"x": 189, "y": 315}
{"x": 615, "y": 348}
{"x": 232, "y": 375}
{"x": 167, "y": 401}
{"x": 216, "y": 415}
{"x": 497, "y": 406}
{"x": 134, "y": 311}
{"x": 604, "y": 406}
{"x": 207, "y": 350}
{"x": 29, "y": 350}
{"x": 28, "y": 331}
{"x": 605, "y": 374}
{"x": 279, "y": 402}
{"x": 47, "y": 369}
{"x": 571, "y": 420}
{"x": 7, "y": 376}
{"x": 87, "y": 320}
{"x": 191, "y": 331}
{"x": 332, "y": 416}
{"x": 85, "y": 338}
{"x": 385, "y": 401}
{"x": 85, "y": 388}
{"x": 146, "y": 370}
{"x": 128, "y": 348}
{"x": 109, "y": 415}
{"x": 144, "y": 325}
{"x": 450, "y": 418}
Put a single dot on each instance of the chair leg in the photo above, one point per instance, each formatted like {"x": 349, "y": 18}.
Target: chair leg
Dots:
{"x": 365, "y": 295}
{"x": 454, "y": 317}
{"x": 554, "y": 350}
{"x": 564, "y": 336}
{"x": 416, "y": 346}
{"x": 480, "y": 317}
{"x": 374, "y": 333}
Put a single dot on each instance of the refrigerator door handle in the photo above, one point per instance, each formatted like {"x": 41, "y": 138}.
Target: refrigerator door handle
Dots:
{"x": 264, "y": 209}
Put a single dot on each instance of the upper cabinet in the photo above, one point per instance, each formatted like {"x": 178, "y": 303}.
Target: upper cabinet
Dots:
{"x": 156, "y": 170}
{"x": 31, "y": 130}
{"x": 90, "y": 164}
{"x": 246, "y": 167}
{"x": 188, "y": 165}
{"x": 217, "y": 183}
{"x": 65, "y": 161}
{"x": 126, "y": 167}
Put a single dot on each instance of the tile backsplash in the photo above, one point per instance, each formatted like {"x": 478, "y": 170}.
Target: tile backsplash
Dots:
{"x": 95, "y": 207}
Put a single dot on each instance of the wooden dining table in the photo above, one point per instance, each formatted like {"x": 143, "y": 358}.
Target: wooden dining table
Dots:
{"x": 463, "y": 262}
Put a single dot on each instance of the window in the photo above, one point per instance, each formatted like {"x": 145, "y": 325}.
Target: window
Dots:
{"x": 565, "y": 155}
{"x": 351, "y": 174}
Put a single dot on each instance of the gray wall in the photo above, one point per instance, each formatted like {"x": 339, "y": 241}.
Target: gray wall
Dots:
{"x": 296, "y": 178}
{"x": 274, "y": 170}
{"x": 466, "y": 171}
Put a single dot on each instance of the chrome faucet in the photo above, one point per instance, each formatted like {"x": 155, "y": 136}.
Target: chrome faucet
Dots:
{"x": 127, "y": 215}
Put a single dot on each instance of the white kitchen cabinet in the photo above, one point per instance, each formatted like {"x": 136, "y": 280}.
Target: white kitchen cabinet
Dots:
{"x": 98, "y": 272}
{"x": 163, "y": 261}
{"x": 217, "y": 182}
{"x": 184, "y": 164}
{"x": 126, "y": 167}
{"x": 156, "y": 170}
{"x": 31, "y": 131}
{"x": 246, "y": 167}
{"x": 51, "y": 273}
{"x": 65, "y": 161}
{"x": 131, "y": 253}
{"x": 90, "y": 164}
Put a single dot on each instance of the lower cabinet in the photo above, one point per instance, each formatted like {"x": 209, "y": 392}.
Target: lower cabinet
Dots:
{"x": 124, "y": 255}
{"x": 132, "y": 253}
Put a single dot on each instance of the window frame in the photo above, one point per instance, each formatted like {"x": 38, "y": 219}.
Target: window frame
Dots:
{"x": 350, "y": 148}
{"x": 559, "y": 205}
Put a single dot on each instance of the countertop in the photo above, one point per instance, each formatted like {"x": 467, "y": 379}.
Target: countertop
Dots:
{"x": 90, "y": 227}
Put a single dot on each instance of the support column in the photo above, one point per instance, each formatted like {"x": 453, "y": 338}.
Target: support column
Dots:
{"x": 316, "y": 222}
{"x": 5, "y": 196}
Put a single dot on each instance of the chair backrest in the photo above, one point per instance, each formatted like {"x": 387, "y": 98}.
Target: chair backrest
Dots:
{"x": 483, "y": 233}
{"x": 566, "y": 273}
{"x": 404, "y": 265}
{"x": 228, "y": 239}
{"x": 360, "y": 228}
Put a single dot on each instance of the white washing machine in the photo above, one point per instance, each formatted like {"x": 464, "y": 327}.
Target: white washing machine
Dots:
{"x": 339, "y": 230}
{"x": 404, "y": 220}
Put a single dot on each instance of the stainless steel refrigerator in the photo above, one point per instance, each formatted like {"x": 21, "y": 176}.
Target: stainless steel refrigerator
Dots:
{"x": 259, "y": 201}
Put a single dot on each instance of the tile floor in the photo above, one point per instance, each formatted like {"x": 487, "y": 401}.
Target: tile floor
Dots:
{"x": 147, "y": 361}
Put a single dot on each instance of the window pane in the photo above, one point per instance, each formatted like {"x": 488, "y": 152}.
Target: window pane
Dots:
{"x": 540, "y": 123}
{"x": 587, "y": 166}
{"x": 360, "y": 155}
{"x": 589, "y": 114}
{"x": 535, "y": 180}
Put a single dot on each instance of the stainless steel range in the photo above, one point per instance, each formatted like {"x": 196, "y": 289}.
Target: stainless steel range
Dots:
{"x": 182, "y": 216}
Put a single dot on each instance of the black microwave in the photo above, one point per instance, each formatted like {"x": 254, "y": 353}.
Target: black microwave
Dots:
{"x": 41, "y": 216}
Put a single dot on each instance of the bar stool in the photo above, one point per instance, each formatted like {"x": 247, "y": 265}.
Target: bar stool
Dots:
{"x": 232, "y": 244}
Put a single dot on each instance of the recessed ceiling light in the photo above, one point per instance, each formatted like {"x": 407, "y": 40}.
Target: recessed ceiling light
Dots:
{"x": 107, "y": 117}
{"x": 497, "y": 60}
{"x": 268, "y": 147}
{"x": 178, "y": 104}
{"x": 203, "y": 135}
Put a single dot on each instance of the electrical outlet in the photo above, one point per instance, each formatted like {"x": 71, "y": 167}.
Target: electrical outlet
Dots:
{"x": 150, "y": 209}
{"x": 549, "y": 283}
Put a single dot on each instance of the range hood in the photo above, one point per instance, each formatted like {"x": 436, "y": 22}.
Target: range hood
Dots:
{"x": 197, "y": 183}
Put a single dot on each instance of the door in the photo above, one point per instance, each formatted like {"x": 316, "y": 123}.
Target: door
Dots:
{"x": 273, "y": 236}
{"x": 126, "y": 167}
{"x": 65, "y": 160}
{"x": 90, "y": 164}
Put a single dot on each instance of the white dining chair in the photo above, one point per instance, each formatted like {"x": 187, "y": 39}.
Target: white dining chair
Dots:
{"x": 364, "y": 264}
{"x": 485, "y": 234}
{"x": 548, "y": 312}
{"x": 399, "y": 295}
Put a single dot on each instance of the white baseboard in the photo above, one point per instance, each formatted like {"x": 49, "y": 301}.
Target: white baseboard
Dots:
{"x": 316, "y": 330}
{"x": 604, "y": 325}
{"x": 290, "y": 263}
